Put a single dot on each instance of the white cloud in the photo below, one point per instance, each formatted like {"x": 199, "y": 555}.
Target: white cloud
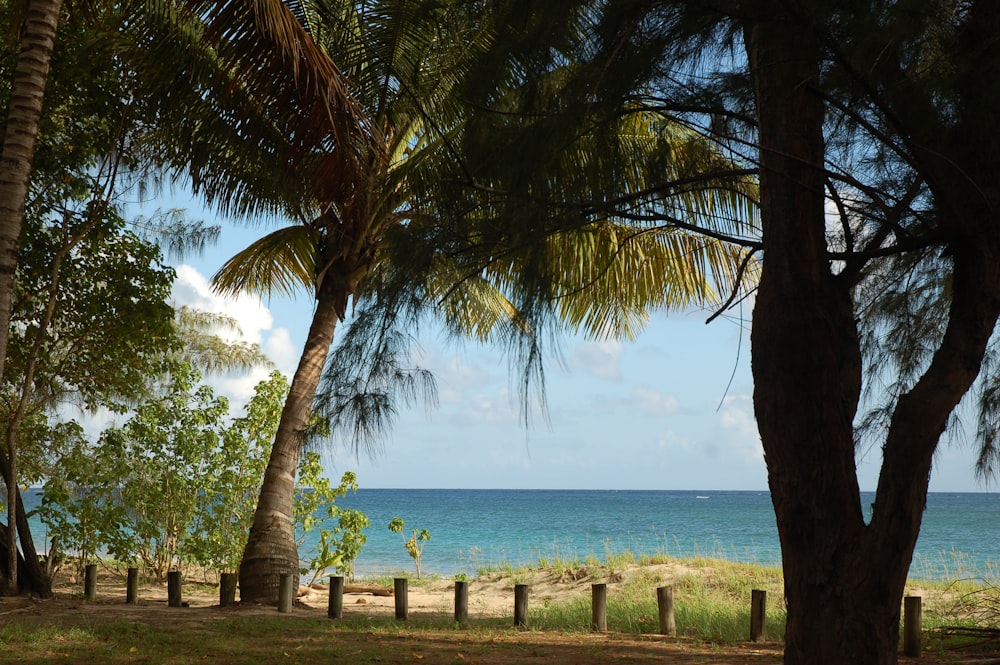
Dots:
{"x": 652, "y": 402}
{"x": 672, "y": 441}
{"x": 602, "y": 360}
{"x": 192, "y": 289}
{"x": 484, "y": 408}
{"x": 282, "y": 351}
{"x": 737, "y": 427}
{"x": 461, "y": 376}
{"x": 238, "y": 389}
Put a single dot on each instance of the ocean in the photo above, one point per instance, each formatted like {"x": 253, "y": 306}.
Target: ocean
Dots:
{"x": 472, "y": 530}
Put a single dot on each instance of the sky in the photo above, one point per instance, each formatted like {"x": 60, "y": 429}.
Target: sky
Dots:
{"x": 671, "y": 410}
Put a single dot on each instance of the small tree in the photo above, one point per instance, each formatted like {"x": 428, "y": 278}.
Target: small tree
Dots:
{"x": 136, "y": 492}
{"x": 415, "y": 543}
{"x": 225, "y": 509}
{"x": 316, "y": 509}
{"x": 165, "y": 450}
{"x": 72, "y": 512}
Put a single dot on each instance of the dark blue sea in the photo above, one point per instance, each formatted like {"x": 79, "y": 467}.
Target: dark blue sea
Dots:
{"x": 473, "y": 530}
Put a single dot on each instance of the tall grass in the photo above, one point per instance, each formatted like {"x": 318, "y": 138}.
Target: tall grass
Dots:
{"x": 712, "y": 595}
{"x": 712, "y": 602}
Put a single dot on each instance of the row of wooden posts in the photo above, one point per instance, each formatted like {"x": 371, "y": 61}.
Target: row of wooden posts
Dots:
{"x": 599, "y": 603}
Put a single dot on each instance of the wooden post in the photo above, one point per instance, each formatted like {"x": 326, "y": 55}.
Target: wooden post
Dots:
{"x": 599, "y": 607}
{"x": 174, "y": 589}
{"x": 758, "y": 613}
{"x": 399, "y": 590}
{"x": 461, "y": 602}
{"x": 911, "y": 626}
{"x": 132, "y": 587}
{"x": 335, "y": 608}
{"x": 90, "y": 581}
{"x": 227, "y": 588}
{"x": 665, "y": 604}
{"x": 521, "y": 605}
{"x": 285, "y": 593}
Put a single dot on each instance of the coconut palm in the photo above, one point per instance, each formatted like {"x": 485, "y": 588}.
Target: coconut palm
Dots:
{"x": 344, "y": 123}
{"x": 41, "y": 18}
{"x": 403, "y": 63}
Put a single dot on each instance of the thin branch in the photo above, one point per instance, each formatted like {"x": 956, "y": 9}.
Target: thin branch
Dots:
{"x": 740, "y": 271}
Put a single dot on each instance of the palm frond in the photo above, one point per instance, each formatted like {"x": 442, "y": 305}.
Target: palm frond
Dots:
{"x": 282, "y": 262}
{"x": 250, "y": 110}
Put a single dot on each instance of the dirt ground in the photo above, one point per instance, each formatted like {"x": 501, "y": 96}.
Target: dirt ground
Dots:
{"x": 489, "y": 598}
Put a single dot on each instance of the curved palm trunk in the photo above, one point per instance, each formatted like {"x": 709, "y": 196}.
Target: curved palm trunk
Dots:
{"x": 270, "y": 549}
{"x": 23, "y": 115}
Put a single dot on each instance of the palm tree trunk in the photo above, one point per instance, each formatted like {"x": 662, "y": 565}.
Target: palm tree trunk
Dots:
{"x": 23, "y": 115}
{"x": 270, "y": 549}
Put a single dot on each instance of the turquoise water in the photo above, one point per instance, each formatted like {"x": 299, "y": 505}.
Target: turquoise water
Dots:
{"x": 475, "y": 529}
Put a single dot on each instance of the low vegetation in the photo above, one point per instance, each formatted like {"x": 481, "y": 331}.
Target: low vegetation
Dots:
{"x": 711, "y": 604}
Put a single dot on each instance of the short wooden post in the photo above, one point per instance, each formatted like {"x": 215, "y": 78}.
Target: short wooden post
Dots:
{"x": 335, "y": 608}
{"x": 665, "y": 604}
{"x": 132, "y": 586}
{"x": 911, "y": 626}
{"x": 758, "y": 613}
{"x": 174, "y": 589}
{"x": 399, "y": 590}
{"x": 461, "y": 602}
{"x": 521, "y": 605}
{"x": 285, "y": 593}
{"x": 227, "y": 588}
{"x": 90, "y": 581}
{"x": 599, "y": 607}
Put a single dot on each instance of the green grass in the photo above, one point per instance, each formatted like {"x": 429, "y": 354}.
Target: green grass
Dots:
{"x": 714, "y": 606}
{"x": 388, "y": 579}
{"x": 711, "y": 597}
{"x": 711, "y": 605}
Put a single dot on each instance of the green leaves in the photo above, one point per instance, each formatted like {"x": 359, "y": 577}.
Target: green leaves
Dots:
{"x": 281, "y": 262}
{"x": 236, "y": 466}
{"x": 414, "y": 544}
{"x": 340, "y": 530}
{"x": 176, "y": 482}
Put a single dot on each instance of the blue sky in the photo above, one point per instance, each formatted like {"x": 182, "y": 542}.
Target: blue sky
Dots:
{"x": 671, "y": 410}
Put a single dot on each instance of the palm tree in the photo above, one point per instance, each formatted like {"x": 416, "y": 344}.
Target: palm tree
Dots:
{"x": 404, "y": 63}
{"x": 41, "y": 18}
{"x": 345, "y": 126}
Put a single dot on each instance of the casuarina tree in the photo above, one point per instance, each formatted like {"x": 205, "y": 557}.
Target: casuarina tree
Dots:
{"x": 870, "y": 125}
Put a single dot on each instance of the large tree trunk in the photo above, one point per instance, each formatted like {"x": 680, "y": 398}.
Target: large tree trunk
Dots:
{"x": 31, "y": 576}
{"x": 270, "y": 549}
{"x": 806, "y": 359}
{"x": 6, "y": 545}
{"x": 844, "y": 579}
{"x": 23, "y": 115}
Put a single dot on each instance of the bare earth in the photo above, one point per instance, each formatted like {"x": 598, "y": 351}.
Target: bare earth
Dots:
{"x": 490, "y": 597}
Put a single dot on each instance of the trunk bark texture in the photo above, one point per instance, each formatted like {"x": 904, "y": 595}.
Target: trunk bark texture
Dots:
{"x": 271, "y": 549}
{"x": 5, "y": 544}
{"x": 844, "y": 579}
{"x": 806, "y": 359}
{"x": 32, "y": 577}
{"x": 343, "y": 261}
{"x": 23, "y": 114}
